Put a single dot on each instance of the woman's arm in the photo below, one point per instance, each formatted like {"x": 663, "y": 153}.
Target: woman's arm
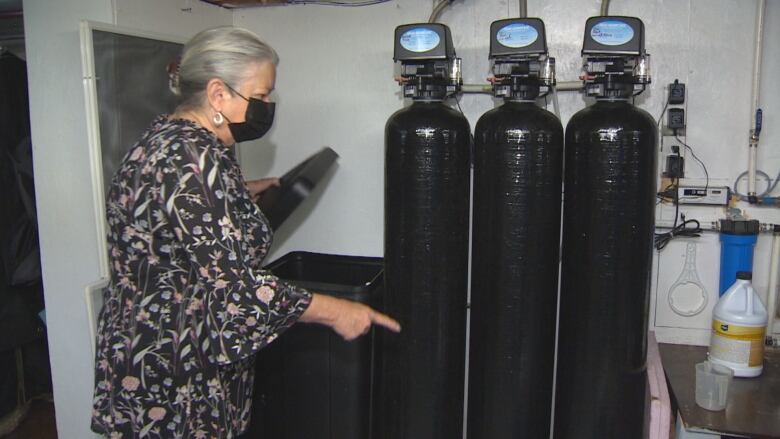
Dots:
{"x": 244, "y": 309}
{"x": 348, "y": 319}
{"x": 257, "y": 187}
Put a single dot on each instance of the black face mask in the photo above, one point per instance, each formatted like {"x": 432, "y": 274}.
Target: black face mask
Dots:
{"x": 259, "y": 118}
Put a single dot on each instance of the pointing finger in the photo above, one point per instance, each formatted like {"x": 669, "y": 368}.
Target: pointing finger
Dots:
{"x": 382, "y": 320}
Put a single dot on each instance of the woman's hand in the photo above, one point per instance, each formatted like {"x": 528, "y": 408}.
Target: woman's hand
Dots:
{"x": 257, "y": 187}
{"x": 348, "y": 319}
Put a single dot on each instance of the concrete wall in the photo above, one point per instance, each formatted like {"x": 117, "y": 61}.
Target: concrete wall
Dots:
{"x": 63, "y": 181}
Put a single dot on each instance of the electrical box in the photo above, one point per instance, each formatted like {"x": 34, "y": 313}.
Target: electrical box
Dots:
{"x": 675, "y": 166}
{"x": 713, "y": 195}
{"x": 675, "y": 119}
{"x": 676, "y": 93}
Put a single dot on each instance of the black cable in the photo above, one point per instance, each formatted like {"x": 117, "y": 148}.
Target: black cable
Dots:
{"x": 665, "y": 193}
{"x": 661, "y": 239}
{"x": 660, "y": 118}
{"x": 706, "y": 173}
{"x": 457, "y": 101}
{"x": 683, "y": 229}
{"x": 676, "y": 201}
{"x": 676, "y": 205}
{"x": 658, "y": 125}
{"x": 674, "y": 186}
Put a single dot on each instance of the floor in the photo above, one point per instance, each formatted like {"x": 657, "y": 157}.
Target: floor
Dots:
{"x": 38, "y": 424}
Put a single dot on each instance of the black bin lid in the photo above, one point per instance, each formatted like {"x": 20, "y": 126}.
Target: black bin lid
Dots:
{"x": 277, "y": 203}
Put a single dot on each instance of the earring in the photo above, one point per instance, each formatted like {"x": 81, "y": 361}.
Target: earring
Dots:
{"x": 218, "y": 119}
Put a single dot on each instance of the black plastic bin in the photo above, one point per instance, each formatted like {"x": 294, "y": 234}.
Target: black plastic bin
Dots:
{"x": 310, "y": 383}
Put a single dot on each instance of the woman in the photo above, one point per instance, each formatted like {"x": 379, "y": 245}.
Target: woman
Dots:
{"x": 189, "y": 305}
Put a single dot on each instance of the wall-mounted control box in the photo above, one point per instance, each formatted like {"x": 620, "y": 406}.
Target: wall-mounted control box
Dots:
{"x": 713, "y": 195}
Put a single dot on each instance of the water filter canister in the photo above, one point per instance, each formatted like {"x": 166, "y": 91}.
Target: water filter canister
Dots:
{"x": 737, "y": 241}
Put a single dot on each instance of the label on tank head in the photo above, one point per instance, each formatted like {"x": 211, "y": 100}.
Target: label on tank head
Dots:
{"x": 517, "y": 35}
{"x": 420, "y": 39}
{"x": 612, "y": 33}
{"x": 742, "y": 345}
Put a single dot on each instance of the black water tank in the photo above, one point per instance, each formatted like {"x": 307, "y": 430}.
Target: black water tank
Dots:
{"x": 514, "y": 277}
{"x": 420, "y": 372}
{"x": 608, "y": 221}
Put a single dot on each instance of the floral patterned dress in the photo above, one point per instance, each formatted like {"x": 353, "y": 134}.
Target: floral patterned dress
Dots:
{"x": 188, "y": 304}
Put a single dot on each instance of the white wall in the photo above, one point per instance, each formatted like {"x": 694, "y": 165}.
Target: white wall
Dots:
{"x": 63, "y": 188}
{"x": 63, "y": 183}
{"x": 335, "y": 88}
{"x": 718, "y": 67}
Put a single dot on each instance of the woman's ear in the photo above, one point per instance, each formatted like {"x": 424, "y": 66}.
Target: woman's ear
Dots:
{"x": 216, "y": 94}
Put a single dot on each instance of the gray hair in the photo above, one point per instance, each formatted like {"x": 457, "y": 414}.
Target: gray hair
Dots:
{"x": 224, "y": 52}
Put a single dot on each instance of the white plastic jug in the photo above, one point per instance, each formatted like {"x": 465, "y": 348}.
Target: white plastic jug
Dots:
{"x": 738, "y": 327}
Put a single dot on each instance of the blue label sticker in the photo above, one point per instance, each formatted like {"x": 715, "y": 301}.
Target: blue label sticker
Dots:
{"x": 517, "y": 35}
{"x": 420, "y": 39}
{"x": 612, "y": 33}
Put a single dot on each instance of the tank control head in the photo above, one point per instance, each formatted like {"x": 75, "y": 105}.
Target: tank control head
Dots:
{"x": 518, "y": 54}
{"x": 615, "y": 63}
{"x": 429, "y": 67}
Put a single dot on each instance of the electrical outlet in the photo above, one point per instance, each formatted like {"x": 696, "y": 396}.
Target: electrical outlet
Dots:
{"x": 675, "y": 166}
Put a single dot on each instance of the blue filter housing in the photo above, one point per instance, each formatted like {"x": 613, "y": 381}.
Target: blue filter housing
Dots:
{"x": 737, "y": 240}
